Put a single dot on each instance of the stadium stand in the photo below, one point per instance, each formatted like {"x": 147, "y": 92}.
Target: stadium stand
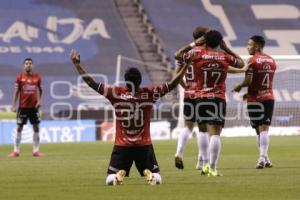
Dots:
{"x": 142, "y": 33}
{"x": 95, "y": 28}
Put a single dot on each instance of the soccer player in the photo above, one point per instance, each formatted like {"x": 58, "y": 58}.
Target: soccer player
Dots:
{"x": 190, "y": 88}
{"x": 29, "y": 91}
{"x": 212, "y": 65}
{"x": 260, "y": 100}
{"x": 133, "y": 108}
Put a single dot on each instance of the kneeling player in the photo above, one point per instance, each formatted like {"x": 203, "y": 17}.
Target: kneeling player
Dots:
{"x": 133, "y": 108}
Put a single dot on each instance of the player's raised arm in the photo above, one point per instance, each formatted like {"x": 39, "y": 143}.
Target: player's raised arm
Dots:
{"x": 224, "y": 46}
{"x": 178, "y": 55}
{"x": 85, "y": 76}
{"x": 179, "y": 65}
{"x": 178, "y": 77}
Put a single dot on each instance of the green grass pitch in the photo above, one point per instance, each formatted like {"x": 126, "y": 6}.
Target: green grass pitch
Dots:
{"x": 78, "y": 172}
{"x": 8, "y": 115}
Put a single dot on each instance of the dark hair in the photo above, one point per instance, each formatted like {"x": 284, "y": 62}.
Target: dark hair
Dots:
{"x": 213, "y": 38}
{"x": 199, "y": 32}
{"x": 133, "y": 76}
{"x": 259, "y": 40}
{"x": 28, "y": 59}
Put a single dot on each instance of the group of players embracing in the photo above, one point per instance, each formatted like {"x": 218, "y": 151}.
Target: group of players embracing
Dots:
{"x": 204, "y": 95}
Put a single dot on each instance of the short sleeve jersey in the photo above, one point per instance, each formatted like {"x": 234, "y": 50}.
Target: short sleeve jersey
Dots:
{"x": 28, "y": 86}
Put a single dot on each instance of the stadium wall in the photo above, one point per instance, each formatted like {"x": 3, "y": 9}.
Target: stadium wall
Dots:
{"x": 61, "y": 131}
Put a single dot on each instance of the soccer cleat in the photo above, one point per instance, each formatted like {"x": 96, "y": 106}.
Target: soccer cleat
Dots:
{"x": 260, "y": 165}
{"x": 205, "y": 169}
{"x": 119, "y": 177}
{"x": 38, "y": 154}
{"x": 149, "y": 177}
{"x": 178, "y": 162}
{"x": 213, "y": 173}
{"x": 13, "y": 154}
{"x": 268, "y": 164}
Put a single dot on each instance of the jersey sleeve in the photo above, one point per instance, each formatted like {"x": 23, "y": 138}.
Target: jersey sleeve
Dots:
{"x": 234, "y": 62}
{"x": 158, "y": 91}
{"x": 249, "y": 71}
{"x": 192, "y": 54}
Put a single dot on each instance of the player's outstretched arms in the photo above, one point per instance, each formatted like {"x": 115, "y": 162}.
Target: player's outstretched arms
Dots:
{"x": 178, "y": 77}
{"x": 74, "y": 56}
{"x": 178, "y": 55}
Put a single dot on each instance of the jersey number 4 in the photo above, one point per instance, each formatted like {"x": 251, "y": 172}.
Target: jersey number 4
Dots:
{"x": 266, "y": 81}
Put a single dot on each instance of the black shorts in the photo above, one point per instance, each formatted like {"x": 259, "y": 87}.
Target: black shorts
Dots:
{"x": 260, "y": 113}
{"x": 123, "y": 157}
{"x": 28, "y": 113}
{"x": 189, "y": 110}
{"x": 211, "y": 111}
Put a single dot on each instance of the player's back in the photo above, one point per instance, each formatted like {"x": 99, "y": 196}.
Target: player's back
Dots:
{"x": 133, "y": 112}
{"x": 262, "y": 69}
{"x": 211, "y": 69}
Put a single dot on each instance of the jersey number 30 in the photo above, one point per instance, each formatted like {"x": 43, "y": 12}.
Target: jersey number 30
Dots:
{"x": 132, "y": 118}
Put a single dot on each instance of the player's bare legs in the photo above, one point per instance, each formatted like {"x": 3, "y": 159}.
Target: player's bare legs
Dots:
{"x": 181, "y": 144}
{"x": 214, "y": 147}
{"x": 203, "y": 143}
{"x": 17, "y": 142}
{"x": 264, "y": 142}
